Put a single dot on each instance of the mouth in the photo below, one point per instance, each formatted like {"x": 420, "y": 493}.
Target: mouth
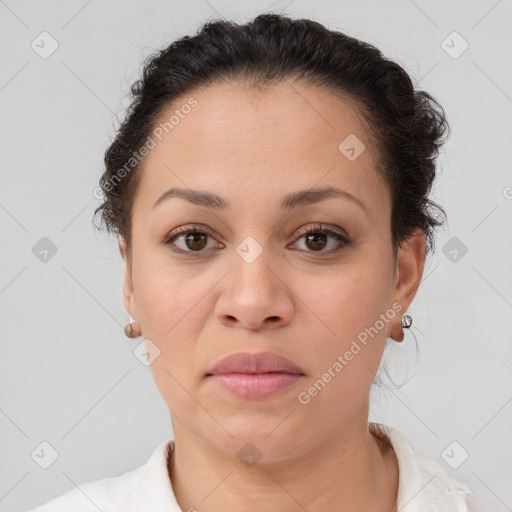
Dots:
{"x": 255, "y": 376}
{"x": 256, "y": 386}
{"x": 255, "y": 363}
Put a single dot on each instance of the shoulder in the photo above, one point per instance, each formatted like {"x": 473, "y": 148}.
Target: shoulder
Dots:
{"x": 424, "y": 485}
{"x": 117, "y": 493}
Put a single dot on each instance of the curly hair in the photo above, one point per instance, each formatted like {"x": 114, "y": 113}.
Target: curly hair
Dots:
{"x": 407, "y": 126}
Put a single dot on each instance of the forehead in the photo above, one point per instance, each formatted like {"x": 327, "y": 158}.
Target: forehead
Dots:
{"x": 237, "y": 138}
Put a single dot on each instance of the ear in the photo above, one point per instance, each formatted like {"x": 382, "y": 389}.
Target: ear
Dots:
{"x": 128, "y": 292}
{"x": 408, "y": 273}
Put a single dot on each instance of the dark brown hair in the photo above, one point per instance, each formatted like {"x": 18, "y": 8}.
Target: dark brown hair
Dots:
{"x": 406, "y": 125}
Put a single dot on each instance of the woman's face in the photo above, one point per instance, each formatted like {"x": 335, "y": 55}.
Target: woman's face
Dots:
{"x": 254, "y": 281}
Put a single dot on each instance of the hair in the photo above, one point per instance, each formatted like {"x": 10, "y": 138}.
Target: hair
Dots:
{"x": 406, "y": 126}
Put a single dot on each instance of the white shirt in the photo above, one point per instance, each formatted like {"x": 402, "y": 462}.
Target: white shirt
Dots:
{"x": 423, "y": 485}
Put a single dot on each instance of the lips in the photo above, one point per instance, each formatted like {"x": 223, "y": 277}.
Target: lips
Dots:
{"x": 254, "y": 363}
{"x": 255, "y": 376}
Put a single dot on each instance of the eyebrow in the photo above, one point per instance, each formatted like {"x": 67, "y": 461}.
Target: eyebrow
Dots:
{"x": 288, "y": 202}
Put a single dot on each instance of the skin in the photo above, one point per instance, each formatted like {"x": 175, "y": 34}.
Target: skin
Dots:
{"x": 252, "y": 147}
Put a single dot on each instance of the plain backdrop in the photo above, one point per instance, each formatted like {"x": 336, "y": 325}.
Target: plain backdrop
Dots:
{"x": 69, "y": 376}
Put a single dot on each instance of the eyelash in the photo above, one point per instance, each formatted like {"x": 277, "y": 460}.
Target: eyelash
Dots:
{"x": 316, "y": 228}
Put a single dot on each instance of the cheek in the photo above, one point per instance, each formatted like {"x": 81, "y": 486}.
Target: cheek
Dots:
{"x": 166, "y": 295}
{"x": 345, "y": 302}
{"x": 344, "y": 312}
{"x": 171, "y": 306}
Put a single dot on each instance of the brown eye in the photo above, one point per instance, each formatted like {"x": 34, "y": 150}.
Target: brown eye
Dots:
{"x": 195, "y": 241}
{"x": 191, "y": 240}
{"x": 316, "y": 241}
{"x": 316, "y": 238}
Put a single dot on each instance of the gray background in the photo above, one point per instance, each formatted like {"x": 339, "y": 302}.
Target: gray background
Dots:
{"x": 68, "y": 374}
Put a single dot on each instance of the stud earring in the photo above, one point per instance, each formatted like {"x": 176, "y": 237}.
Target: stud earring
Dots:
{"x": 405, "y": 323}
{"x": 132, "y": 330}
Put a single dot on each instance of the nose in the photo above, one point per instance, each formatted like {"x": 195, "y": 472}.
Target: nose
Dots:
{"x": 255, "y": 295}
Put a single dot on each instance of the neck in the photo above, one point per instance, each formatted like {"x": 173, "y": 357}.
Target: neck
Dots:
{"x": 353, "y": 469}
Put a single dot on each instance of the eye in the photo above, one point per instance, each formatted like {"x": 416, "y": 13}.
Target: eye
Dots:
{"x": 316, "y": 238}
{"x": 193, "y": 239}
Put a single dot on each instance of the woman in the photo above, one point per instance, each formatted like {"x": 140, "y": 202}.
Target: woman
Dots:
{"x": 269, "y": 188}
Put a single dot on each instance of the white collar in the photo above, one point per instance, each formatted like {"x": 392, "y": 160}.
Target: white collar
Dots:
{"x": 423, "y": 482}
{"x": 424, "y": 485}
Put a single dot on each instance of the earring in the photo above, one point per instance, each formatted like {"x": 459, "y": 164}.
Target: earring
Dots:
{"x": 405, "y": 323}
{"x": 132, "y": 330}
